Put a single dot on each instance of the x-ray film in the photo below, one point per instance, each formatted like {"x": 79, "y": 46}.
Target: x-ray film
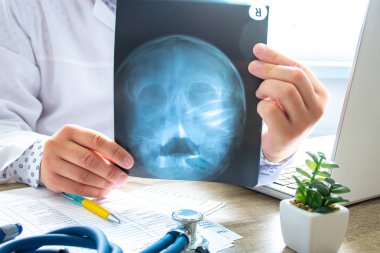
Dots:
{"x": 185, "y": 104}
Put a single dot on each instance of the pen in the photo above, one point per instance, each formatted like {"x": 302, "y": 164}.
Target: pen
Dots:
{"x": 9, "y": 231}
{"x": 93, "y": 207}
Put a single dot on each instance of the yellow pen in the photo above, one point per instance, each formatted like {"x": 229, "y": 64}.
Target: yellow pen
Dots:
{"x": 93, "y": 207}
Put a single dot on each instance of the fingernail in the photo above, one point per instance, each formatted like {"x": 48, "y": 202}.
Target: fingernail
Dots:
{"x": 260, "y": 49}
{"x": 257, "y": 93}
{"x": 104, "y": 193}
{"x": 122, "y": 178}
{"x": 128, "y": 162}
{"x": 257, "y": 65}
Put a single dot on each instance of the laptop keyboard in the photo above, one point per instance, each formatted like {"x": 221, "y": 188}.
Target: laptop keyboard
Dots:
{"x": 286, "y": 178}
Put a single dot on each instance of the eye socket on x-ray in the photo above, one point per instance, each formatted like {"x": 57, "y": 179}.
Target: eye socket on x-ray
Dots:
{"x": 152, "y": 95}
{"x": 200, "y": 93}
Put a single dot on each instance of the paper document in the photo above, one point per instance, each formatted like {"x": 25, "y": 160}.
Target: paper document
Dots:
{"x": 144, "y": 216}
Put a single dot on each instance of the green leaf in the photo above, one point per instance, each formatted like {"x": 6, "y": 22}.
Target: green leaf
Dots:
{"x": 303, "y": 173}
{"x": 301, "y": 191}
{"x": 323, "y": 174}
{"x": 312, "y": 165}
{"x": 334, "y": 200}
{"x": 329, "y": 165}
{"x": 321, "y": 188}
{"x": 301, "y": 186}
{"x": 313, "y": 156}
{"x": 330, "y": 180}
{"x": 313, "y": 199}
{"x": 321, "y": 155}
{"x": 340, "y": 190}
{"x": 316, "y": 201}
{"x": 324, "y": 209}
{"x": 300, "y": 196}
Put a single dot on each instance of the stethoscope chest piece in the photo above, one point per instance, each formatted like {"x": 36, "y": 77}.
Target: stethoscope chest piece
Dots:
{"x": 187, "y": 220}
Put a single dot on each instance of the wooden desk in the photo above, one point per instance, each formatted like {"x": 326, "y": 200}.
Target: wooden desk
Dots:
{"x": 256, "y": 216}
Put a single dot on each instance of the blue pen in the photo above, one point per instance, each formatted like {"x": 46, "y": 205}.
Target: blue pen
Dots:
{"x": 9, "y": 231}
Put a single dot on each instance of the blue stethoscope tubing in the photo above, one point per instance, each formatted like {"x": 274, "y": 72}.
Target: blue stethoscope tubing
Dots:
{"x": 90, "y": 238}
{"x": 172, "y": 242}
{"x": 76, "y": 236}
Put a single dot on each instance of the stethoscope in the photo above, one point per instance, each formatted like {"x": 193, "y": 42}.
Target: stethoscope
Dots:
{"x": 183, "y": 238}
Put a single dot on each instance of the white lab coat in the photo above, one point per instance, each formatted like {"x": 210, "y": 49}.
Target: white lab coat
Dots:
{"x": 49, "y": 73}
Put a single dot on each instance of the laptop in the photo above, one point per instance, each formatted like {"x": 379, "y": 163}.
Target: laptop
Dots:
{"x": 355, "y": 146}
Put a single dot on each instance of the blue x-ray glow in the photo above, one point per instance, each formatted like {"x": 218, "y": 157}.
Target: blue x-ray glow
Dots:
{"x": 184, "y": 108}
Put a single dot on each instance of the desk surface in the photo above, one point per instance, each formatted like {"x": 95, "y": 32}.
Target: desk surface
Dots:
{"x": 255, "y": 216}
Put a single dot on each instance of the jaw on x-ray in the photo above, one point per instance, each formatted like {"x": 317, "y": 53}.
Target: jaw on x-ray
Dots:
{"x": 186, "y": 108}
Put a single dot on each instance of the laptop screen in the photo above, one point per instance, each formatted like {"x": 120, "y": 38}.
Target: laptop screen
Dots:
{"x": 356, "y": 145}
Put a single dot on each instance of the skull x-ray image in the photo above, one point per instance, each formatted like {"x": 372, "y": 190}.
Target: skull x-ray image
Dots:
{"x": 184, "y": 101}
{"x": 186, "y": 107}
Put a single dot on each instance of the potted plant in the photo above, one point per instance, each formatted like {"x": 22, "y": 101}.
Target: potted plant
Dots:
{"x": 314, "y": 221}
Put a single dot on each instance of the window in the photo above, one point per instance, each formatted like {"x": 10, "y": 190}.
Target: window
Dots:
{"x": 322, "y": 34}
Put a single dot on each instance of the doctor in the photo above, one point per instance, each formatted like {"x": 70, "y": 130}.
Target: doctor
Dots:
{"x": 56, "y": 98}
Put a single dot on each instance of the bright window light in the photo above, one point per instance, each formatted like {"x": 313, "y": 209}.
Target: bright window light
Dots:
{"x": 323, "y": 35}
{"x": 316, "y": 31}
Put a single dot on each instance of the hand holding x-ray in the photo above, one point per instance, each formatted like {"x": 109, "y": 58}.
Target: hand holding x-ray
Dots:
{"x": 293, "y": 100}
{"x": 81, "y": 161}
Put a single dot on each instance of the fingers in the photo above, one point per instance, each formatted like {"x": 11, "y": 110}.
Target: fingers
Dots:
{"x": 63, "y": 184}
{"x": 79, "y": 175}
{"x": 268, "y": 55}
{"x": 272, "y": 115}
{"x": 100, "y": 143}
{"x": 61, "y": 176}
{"x": 275, "y": 66}
{"x": 81, "y": 161}
{"x": 286, "y": 74}
{"x": 281, "y": 134}
{"x": 93, "y": 164}
{"x": 291, "y": 102}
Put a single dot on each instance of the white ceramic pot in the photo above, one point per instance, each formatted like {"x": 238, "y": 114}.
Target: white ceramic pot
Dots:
{"x": 309, "y": 232}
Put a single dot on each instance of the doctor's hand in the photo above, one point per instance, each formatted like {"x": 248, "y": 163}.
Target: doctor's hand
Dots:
{"x": 293, "y": 100}
{"x": 81, "y": 161}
